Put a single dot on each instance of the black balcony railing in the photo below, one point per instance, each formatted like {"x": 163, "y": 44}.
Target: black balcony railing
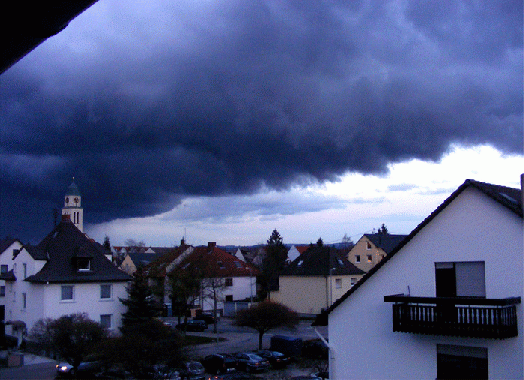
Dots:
{"x": 456, "y": 316}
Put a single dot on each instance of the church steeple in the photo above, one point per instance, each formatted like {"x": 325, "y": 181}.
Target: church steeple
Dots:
{"x": 73, "y": 206}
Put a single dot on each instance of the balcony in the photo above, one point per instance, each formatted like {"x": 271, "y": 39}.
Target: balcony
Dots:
{"x": 455, "y": 316}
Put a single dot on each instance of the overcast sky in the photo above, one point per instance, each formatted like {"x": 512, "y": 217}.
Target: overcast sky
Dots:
{"x": 228, "y": 119}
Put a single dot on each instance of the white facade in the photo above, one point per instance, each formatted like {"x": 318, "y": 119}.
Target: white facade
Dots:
{"x": 227, "y": 289}
{"x": 73, "y": 206}
{"x": 293, "y": 253}
{"x": 472, "y": 228}
{"x": 28, "y": 302}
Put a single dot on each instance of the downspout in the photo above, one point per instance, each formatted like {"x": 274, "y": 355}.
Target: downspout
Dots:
{"x": 331, "y": 353}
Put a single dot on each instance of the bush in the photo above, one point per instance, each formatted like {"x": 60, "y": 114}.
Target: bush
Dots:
{"x": 315, "y": 349}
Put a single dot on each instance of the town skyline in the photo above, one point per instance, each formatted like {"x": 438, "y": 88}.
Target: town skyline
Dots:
{"x": 231, "y": 119}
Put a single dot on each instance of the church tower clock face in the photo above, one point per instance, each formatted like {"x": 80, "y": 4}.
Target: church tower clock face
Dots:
{"x": 72, "y": 206}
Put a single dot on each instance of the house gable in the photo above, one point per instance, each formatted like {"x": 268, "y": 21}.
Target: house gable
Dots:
{"x": 72, "y": 257}
{"x": 470, "y": 227}
{"x": 510, "y": 199}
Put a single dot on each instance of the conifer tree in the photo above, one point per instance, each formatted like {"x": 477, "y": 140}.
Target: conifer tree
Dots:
{"x": 141, "y": 304}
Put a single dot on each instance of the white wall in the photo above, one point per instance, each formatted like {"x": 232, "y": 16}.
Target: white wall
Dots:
{"x": 86, "y": 300}
{"x": 6, "y": 258}
{"x": 361, "y": 328}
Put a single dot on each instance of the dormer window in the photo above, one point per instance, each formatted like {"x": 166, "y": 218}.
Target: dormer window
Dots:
{"x": 83, "y": 264}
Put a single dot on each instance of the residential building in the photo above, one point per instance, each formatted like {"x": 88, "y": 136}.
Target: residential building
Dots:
{"x": 370, "y": 249}
{"x": 446, "y": 303}
{"x": 65, "y": 273}
{"x": 315, "y": 279}
{"x": 133, "y": 261}
{"x": 295, "y": 251}
{"x": 224, "y": 277}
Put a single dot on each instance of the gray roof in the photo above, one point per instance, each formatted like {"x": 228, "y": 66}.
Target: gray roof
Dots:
{"x": 73, "y": 190}
{"x": 321, "y": 261}
{"x": 385, "y": 241}
{"x": 62, "y": 247}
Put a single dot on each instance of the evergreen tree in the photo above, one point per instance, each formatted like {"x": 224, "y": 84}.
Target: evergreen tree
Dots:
{"x": 107, "y": 244}
{"x": 274, "y": 262}
{"x": 141, "y": 304}
{"x": 383, "y": 230}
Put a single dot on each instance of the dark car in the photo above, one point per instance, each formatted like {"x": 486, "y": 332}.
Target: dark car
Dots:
{"x": 250, "y": 362}
{"x": 219, "y": 363}
{"x": 275, "y": 358}
{"x": 192, "y": 371}
{"x": 207, "y": 317}
{"x": 193, "y": 325}
{"x": 86, "y": 369}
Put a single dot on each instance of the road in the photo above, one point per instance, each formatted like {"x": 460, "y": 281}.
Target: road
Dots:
{"x": 237, "y": 339}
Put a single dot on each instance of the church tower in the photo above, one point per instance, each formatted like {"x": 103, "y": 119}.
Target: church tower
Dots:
{"x": 73, "y": 206}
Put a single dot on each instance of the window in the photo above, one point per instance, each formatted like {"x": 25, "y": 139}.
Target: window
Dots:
{"x": 25, "y": 270}
{"x": 24, "y": 300}
{"x": 105, "y": 291}
{"x": 229, "y": 281}
{"x": 353, "y": 281}
{"x": 370, "y": 258}
{"x": 4, "y": 269}
{"x": 105, "y": 320}
{"x": 67, "y": 292}
{"x": 338, "y": 283}
{"x": 357, "y": 258}
{"x": 2, "y": 291}
{"x": 368, "y": 245}
{"x": 83, "y": 264}
{"x": 461, "y": 362}
{"x": 229, "y": 298}
{"x": 221, "y": 265}
{"x": 460, "y": 279}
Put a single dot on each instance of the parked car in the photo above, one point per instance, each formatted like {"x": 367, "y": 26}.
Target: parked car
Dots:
{"x": 193, "y": 325}
{"x": 86, "y": 369}
{"x": 219, "y": 363}
{"x": 192, "y": 371}
{"x": 65, "y": 370}
{"x": 286, "y": 344}
{"x": 250, "y": 362}
{"x": 207, "y": 317}
{"x": 275, "y": 358}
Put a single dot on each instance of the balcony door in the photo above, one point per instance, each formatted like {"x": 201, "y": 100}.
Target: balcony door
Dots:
{"x": 460, "y": 279}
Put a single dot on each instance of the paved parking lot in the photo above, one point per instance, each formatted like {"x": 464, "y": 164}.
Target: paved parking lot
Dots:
{"x": 236, "y": 339}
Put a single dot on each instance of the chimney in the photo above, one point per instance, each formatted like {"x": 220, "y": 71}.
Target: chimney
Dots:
{"x": 211, "y": 245}
{"x": 182, "y": 242}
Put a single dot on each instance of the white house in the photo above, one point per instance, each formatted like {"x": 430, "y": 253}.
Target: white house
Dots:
{"x": 65, "y": 273}
{"x": 295, "y": 251}
{"x": 446, "y": 303}
{"x": 229, "y": 278}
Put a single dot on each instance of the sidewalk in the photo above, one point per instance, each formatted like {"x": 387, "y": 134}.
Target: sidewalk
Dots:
{"x": 30, "y": 359}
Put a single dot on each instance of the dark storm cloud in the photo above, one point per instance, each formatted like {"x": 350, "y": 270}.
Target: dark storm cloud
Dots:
{"x": 146, "y": 103}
